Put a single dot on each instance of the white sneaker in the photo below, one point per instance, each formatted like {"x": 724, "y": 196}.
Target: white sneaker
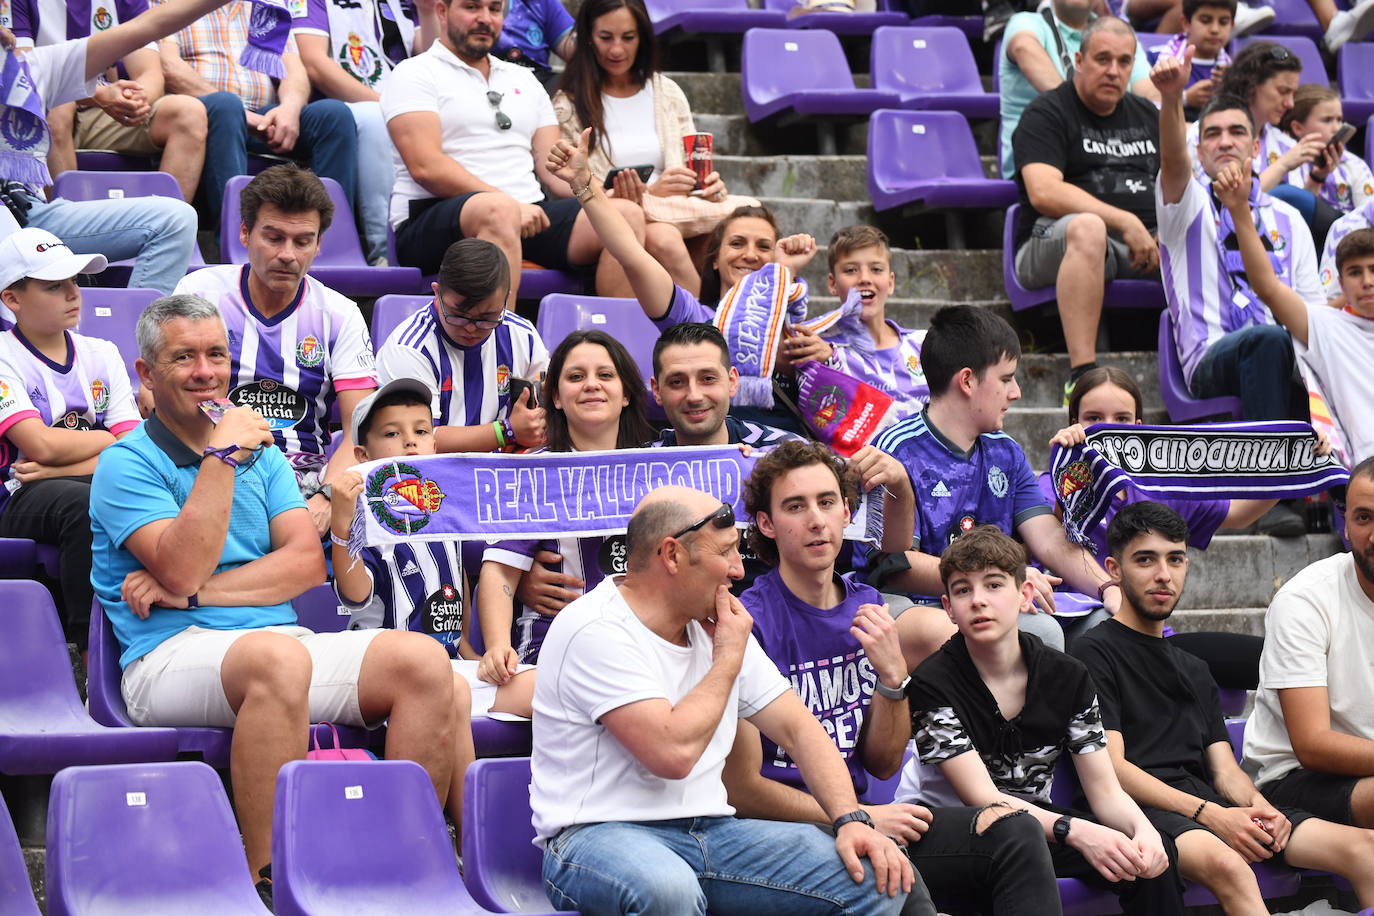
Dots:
{"x": 1253, "y": 18}
{"x": 1349, "y": 25}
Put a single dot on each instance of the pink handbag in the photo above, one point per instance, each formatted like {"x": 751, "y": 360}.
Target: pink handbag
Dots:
{"x": 336, "y": 753}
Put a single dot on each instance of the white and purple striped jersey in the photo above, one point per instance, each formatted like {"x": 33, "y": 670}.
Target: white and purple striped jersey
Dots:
{"x": 289, "y": 367}
{"x": 1361, "y": 218}
{"x": 896, "y": 371}
{"x": 91, "y": 391}
{"x": 471, "y": 384}
{"x": 49, "y": 22}
{"x": 1348, "y": 186}
{"x": 416, "y": 586}
{"x": 1204, "y": 279}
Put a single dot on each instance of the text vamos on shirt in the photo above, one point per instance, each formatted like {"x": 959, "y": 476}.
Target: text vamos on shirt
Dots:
{"x": 91, "y": 391}
{"x": 289, "y": 367}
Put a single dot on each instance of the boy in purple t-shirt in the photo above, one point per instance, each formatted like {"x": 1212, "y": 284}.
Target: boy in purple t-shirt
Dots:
{"x": 835, "y": 641}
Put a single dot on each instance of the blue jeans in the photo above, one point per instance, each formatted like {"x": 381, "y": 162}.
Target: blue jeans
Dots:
{"x": 731, "y": 865}
{"x": 1256, "y": 365}
{"x": 159, "y": 231}
{"x": 375, "y": 181}
{"x": 328, "y": 141}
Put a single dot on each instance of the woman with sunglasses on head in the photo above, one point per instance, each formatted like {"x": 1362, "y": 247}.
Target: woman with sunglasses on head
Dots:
{"x": 638, "y": 117}
{"x": 594, "y": 400}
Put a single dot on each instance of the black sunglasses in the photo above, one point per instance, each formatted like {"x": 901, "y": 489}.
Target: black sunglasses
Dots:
{"x": 503, "y": 120}
{"x": 722, "y": 518}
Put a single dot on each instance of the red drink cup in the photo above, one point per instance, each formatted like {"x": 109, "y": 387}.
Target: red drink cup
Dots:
{"x": 697, "y": 148}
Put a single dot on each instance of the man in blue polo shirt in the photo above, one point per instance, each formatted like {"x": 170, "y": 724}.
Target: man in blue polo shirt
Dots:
{"x": 200, "y": 540}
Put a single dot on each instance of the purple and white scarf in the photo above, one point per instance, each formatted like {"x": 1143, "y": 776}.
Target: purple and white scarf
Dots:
{"x": 1179, "y": 43}
{"x": 759, "y": 311}
{"x": 24, "y": 136}
{"x": 1264, "y": 460}
{"x": 268, "y": 29}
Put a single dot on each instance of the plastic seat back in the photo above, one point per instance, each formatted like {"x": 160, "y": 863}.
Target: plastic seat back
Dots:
{"x": 16, "y": 894}
{"x": 1178, "y": 399}
{"x": 389, "y": 311}
{"x": 112, "y": 314}
{"x": 80, "y": 185}
{"x": 1313, "y": 67}
{"x": 910, "y": 146}
{"x": 318, "y": 609}
{"x": 561, "y": 313}
{"x": 339, "y": 246}
{"x": 924, "y": 61}
{"x": 776, "y": 63}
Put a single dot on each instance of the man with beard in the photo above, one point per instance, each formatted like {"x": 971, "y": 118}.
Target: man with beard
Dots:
{"x": 1311, "y": 738}
{"x": 1168, "y": 740}
{"x": 472, "y": 136}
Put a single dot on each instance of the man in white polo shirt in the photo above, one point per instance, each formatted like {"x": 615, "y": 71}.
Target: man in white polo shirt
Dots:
{"x": 472, "y": 134}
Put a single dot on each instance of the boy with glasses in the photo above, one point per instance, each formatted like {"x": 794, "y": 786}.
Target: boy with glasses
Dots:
{"x": 473, "y": 354}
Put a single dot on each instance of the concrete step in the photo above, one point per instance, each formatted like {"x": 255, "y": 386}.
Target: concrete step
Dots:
{"x": 818, "y": 216}
{"x": 913, "y": 313}
{"x": 1042, "y": 377}
{"x": 838, "y": 178}
{"x": 928, "y": 274}
{"x": 710, "y": 93}
{"x": 1246, "y": 570}
{"x": 1248, "y": 621}
{"x": 1032, "y": 428}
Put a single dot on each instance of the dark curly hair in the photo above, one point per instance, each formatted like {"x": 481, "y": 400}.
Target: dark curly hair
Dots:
{"x": 1253, "y": 65}
{"x": 758, "y": 489}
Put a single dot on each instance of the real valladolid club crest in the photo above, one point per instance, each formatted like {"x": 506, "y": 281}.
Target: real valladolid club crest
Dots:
{"x": 826, "y": 405}
{"x": 402, "y": 498}
{"x": 100, "y": 395}
{"x": 1072, "y": 479}
{"x": 102, "y": 19}
{"x": 358, "y": 59}
{"x": 309, "y": 353}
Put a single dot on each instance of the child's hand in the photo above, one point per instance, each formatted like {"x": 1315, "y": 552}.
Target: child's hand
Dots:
{"x": 344, "y": 502}
{"x": 1070, "y": 436}
{"x": 498, "y": 666}
{"x": 1199, "y": 94}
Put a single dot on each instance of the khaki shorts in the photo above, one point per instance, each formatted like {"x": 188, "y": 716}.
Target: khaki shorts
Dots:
{"x": 1038, "y": 259}
{"x": 97, "y": 130}
{"x": 178, "y": 683}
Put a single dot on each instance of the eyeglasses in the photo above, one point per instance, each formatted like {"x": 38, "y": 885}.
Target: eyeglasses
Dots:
{"x": 503, "y": 120}
{"x": 722, "y": 518}
{"x": 458, "y": 319}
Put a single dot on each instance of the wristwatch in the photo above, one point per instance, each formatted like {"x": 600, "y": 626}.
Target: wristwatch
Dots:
{"x": 892, "y": 693}
{"x": 225, "y": 454}
{"x": 1061, "y": 829}
{"x": 858, "y": 814}
{"x": 327, "y": 491}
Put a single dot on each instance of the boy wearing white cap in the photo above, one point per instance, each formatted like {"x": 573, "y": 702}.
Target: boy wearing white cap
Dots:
{"x": 63, "y": 399}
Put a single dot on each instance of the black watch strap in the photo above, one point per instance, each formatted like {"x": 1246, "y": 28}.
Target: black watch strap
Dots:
{"x": 858, "y": 814}
{"x": 1061, "y": 829}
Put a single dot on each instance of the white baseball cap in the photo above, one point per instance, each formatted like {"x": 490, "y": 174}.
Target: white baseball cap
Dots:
{"x": 364, "y": 408}
{"x": 39, "y": 254}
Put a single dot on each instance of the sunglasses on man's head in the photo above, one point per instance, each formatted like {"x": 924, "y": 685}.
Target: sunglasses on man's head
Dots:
{"x": 722, "y": 518}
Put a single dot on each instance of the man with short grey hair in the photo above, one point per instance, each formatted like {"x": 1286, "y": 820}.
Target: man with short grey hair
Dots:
{"x": 200, "y": 541}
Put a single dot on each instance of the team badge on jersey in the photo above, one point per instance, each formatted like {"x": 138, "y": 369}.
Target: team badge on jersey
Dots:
{"x": 1273, "y": 156}
{"x": 1277, "y": 238}
{"x": 402, "y": 498}
{"x": 997, "y": 481}
{"x": 100, "y": 395}
{"x": 73, "y": 420}
{"x": 913, "y": 364}
{"x": 502, "y": 380}
{"x": 102, "y": 19}
{"x": 309, "y": 352}
{"x": 280, "y": 406}
{"x": 357, "y": 59}
{"x": 1327, "y": 277}
{"x": 6, "y": 400}
{"x": 6, "y": 17}
{"x": 297, "y": 8}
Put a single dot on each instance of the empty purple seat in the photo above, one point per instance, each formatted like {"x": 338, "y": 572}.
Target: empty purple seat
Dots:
{"x": 1178, "y": 400}
{"x": 1313, "y": 67}
{"x": 399, "y": 856}
{"x": 803, "y": 71}
{"x": 87, "y": 184}
{"x": 501, "y": 864}
{"x": 1355, "y": 76}
{"x": 43, "y": 725}
{"x": 18, "y": 558}
{"x": 106, "y": 702}
{"x": 340, "y": 263}
{"x": 931, "y": 69}
{"x": 623, "y": 319}
{"x": 929, "y": 157}
{"x": 839, "y": 22}
{"x": 105, "y": 160}
{"x": 112, "y": 314}
{"x": 729, "y": 17}
{"x": 390, "y": 311}
{"x": 971, "y": 26}
{"x": 16, "y": 894}
{"x": 1293, "y": 17}
{"x": 153, "y": 839}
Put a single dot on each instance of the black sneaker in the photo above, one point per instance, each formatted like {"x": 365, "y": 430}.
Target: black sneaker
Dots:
{"x": 264, "y": 886}
{"x": 995, "y": 16}
{"x": 1282, "y": 522}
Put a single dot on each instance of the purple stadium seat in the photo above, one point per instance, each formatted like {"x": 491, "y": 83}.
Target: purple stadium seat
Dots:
{"x": 153, "y": 839}
{"x": 340, "y": 263}
{"x": 882, "y": 791}
{"x": 106, "y": 702}
{"x": 16, "y": 894}
{"x": 1235, "y": 731}
{"x": 1355, "y": 76}
{"x": 929, "y": 157}
{"x": 1293, "y": 17}
{"x": 318, "y": 609}
{"x": 711, "y": 16}
{"x": 623, "y": 319}
{"x": 389, "y": 311}
{"x": 1178, "y": 400}
{"x": 1313, "y": 67}
{"x": 1369, "y": 139}
{"x": 1120, "y": 294}
{"x": 501, "y": 865}
{"x": 43, "y": 726}
{"x": 971, "y": 26}
{"x": 535, "y": 282}
{"x": 803, "y": 71}
{"x": 399, "y": 855}
{"x": 104, "y": 185}
{"x": 18, "y": 558}
{"x": 841, "y": 23}
{"x": 1232, "y": 700}
{"x": 104, "y": 160}
{"x": 112, "y": 314}
{"x": 931, "y": 69}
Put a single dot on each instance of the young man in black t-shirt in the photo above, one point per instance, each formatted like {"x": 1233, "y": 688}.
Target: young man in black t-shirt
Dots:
{"x": 1086, "y": 156}
{"x": 1168, "y": 739}
{"x": 993, "y": 710}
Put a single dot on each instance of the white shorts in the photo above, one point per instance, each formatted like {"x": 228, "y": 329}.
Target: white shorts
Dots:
{"x": 178, "y": 683}
{"x": 483, "y": 694}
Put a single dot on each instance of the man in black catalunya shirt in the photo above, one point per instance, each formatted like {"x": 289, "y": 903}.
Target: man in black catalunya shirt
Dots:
{"x": 1168, "y": 741}
{"x": 1087, "y": 153}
